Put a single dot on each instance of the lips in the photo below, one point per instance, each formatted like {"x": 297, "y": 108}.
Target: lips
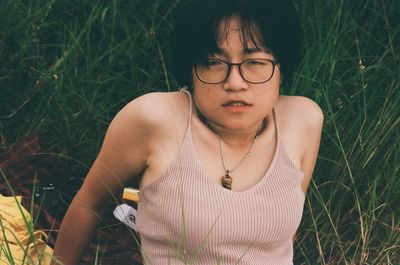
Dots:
{"x": 236, "y": 106}
{"x": 236, "y": 103}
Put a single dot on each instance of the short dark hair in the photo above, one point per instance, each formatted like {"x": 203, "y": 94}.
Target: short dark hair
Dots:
{"x": 196, "y": 32}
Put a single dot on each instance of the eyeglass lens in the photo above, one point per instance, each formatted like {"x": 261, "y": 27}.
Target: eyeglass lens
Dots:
{"x": 254, "y": 70}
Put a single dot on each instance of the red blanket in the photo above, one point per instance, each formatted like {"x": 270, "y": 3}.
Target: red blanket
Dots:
{"x": 48, "y": 180}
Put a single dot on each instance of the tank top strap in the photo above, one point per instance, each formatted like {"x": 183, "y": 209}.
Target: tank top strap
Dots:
{"x": 276, "y": 123}
{"x": 184, "y": 89}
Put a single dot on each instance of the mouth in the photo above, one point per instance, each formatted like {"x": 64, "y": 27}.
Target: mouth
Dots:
{"x": 236, "y": 103}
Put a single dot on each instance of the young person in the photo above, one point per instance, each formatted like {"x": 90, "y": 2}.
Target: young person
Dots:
{"x": 224, "y": 163}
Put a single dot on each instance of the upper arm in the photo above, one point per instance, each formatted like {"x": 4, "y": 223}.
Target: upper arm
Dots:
{"x": 312, "y": 120}
{"x": 123, "y": 155}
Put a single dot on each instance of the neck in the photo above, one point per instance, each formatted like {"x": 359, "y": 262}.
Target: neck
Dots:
{"x": 235, "y": 138}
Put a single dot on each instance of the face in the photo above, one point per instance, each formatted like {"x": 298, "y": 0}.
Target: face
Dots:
{"x": 235, "y": 104}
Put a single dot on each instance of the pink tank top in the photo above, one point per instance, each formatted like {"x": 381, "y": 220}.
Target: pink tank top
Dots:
{"x": 184, "y": 217}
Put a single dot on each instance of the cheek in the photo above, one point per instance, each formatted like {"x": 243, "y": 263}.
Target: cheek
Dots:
{"x": 204, "y": 93}
{"x": 270, "y": 89}
{"x": 267, "y": 96}
{"x": 203, "y": 96}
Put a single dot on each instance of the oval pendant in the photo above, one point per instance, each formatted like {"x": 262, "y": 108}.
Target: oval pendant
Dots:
{"x": 226, "y": 181}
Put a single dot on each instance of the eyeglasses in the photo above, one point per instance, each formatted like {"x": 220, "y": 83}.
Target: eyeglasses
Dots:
{"x": 255, "y": 71}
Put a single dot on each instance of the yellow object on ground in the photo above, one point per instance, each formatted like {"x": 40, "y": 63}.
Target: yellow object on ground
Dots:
{"x": 19, "y": 244}
{"x": 131, "y": 194}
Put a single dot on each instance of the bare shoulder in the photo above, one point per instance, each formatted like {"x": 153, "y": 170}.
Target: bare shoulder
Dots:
{"x": 129, "y": 144}
{"x": 144, "y": 120}
{"x": 151, "y": 114}
{"x": 299, "y": 109}
{"x": 300, "y": 120}
{"x": 152, "y": 109}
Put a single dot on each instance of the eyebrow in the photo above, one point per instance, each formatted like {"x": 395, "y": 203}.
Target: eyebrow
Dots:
{"x": 248, "y": 50}
{"x": 256, "y": 49}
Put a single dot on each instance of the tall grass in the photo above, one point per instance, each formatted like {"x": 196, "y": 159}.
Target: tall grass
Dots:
{"x": 66, "y": 68}
{"x": 352, "y": 69}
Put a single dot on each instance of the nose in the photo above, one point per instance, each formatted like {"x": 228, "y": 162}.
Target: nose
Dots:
{"x": 235, "y": 80}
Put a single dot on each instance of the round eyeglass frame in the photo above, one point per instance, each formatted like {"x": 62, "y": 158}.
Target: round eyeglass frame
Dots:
{"x": 240, "y": 70}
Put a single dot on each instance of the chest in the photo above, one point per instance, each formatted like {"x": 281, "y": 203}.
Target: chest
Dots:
{"x": 247, "y": 166}
{"x": 187, "y": 209}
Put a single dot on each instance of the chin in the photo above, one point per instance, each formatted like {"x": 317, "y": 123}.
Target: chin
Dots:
{"x": 237, "y": 126}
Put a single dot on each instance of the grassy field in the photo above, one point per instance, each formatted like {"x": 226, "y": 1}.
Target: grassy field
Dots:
{"x": 67, "y": 67}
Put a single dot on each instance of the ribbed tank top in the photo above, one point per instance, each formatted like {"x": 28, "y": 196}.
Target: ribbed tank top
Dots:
{"x": 184, "y": 217}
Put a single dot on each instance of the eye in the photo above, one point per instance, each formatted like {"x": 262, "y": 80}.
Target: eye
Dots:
{"x": 256, "y": 62}
{"x": 213, "y": 62}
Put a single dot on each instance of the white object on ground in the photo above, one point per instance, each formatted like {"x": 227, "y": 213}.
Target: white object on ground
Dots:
{"x": 126, "y": 214}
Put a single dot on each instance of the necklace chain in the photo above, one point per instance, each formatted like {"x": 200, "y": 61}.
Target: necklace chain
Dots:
{"x": 226, "y": 180}
{"x": 227, "y": 171}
